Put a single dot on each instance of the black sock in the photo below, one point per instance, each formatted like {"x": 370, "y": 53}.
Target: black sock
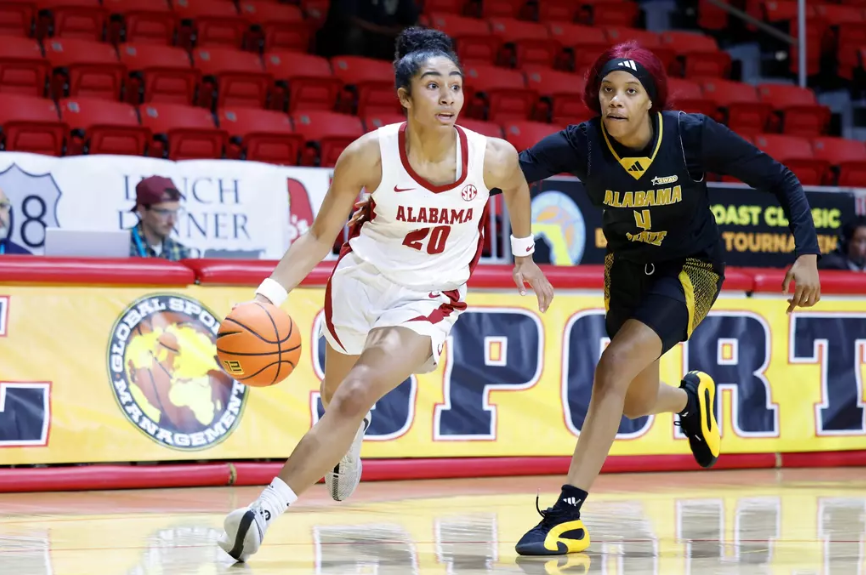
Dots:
{"x": 691, "y": 404}
{"x": 572, "y": 497}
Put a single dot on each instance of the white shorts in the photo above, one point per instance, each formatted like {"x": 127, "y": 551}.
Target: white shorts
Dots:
{"x": 358, "y": 299}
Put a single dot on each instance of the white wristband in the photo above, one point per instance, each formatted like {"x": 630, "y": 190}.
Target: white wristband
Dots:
{"x": 272, "y": 290}
{"x": 521, "y": 247}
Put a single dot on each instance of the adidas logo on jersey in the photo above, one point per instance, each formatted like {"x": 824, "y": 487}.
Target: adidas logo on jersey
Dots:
{"x": 636, "y": 167}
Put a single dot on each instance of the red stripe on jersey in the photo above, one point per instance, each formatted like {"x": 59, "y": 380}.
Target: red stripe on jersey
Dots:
{"x": 482, "y": 223}
{"x": 445, "y": 309}
{"x": 354, "y": 231}
{"x": 464, "y": 154}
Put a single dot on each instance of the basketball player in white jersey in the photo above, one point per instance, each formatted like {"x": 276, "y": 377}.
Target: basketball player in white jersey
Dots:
{"x": 400, "y": 282}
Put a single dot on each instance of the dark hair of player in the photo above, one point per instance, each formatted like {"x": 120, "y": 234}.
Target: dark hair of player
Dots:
{"x": 414, "y": 47}
{"x": 631, "y": 51}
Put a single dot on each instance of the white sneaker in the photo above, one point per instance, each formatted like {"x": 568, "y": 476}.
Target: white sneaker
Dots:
{"x": 244, "y": 531}
{"x": 346, "y": 476}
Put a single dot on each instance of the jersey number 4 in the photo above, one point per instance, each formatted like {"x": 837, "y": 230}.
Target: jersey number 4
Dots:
{"x": 436, "y": 242}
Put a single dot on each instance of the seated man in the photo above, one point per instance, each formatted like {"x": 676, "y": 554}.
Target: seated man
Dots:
{"x": 851, "y": 252}
{"x": 157, "y": 202}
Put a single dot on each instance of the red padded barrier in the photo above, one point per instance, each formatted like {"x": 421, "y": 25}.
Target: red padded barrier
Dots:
{"x": 89, "y": 271}
{"x": 252, "y": 272}
{"x": 836, "y": 282}
{"x": 94, "y": 477}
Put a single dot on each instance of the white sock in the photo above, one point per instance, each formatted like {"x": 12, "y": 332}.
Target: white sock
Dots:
{"x": 276, "y": 498}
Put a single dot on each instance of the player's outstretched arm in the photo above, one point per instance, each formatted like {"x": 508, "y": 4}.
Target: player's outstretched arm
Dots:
{"x": 502, "y": 170}
{"x": 358, "y": 166}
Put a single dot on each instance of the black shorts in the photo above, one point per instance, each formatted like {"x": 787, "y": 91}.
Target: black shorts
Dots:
{"x": 671, "y": 298}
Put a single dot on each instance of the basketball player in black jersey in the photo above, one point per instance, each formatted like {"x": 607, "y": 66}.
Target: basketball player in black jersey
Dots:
{"x": 646, "y": 167}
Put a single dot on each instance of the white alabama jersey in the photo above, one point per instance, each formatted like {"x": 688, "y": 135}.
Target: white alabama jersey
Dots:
{"x": 421, "y": 235}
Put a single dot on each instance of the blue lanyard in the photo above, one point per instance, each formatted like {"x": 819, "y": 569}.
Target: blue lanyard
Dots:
{"x": 2, "y": 248}
{"x": 138, "y": 244}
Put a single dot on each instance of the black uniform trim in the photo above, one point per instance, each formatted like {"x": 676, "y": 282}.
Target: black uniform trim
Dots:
{"x": 635, "y": 166}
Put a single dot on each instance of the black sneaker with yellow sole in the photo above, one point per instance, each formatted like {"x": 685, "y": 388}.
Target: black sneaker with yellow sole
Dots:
{"x": 560, "y": 532}
{"x": 698, "y": 419}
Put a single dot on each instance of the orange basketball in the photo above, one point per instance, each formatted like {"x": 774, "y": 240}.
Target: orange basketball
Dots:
{"x": 258, "y": 344}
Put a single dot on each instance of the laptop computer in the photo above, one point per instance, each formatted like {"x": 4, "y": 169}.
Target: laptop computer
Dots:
{"x": 86, "y": 243}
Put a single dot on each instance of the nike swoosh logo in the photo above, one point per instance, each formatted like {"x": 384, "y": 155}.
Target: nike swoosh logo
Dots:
{"x": 398, "y": 189}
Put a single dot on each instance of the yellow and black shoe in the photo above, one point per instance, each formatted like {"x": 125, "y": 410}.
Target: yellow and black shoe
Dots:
{"x": 560, "y": 532}
{"x": 698, "y": 419}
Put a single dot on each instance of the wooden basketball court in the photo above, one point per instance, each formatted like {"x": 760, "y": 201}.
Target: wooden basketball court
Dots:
{"x": 788, "y": 521}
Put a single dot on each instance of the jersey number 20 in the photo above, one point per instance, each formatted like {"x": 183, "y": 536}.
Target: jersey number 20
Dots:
{"x": 436, "y": 243}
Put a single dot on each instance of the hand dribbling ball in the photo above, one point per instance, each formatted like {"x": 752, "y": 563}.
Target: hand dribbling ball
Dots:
{"x": 258, "y": 344}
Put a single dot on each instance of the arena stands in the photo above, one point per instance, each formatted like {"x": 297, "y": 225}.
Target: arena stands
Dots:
{"x": 242, "y": 79}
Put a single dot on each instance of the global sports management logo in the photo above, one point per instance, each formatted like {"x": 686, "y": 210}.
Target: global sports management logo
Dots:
{"x": 165, "y": 376}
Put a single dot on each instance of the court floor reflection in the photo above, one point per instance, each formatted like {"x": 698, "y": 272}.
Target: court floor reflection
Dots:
{"x": 797, "y": 522}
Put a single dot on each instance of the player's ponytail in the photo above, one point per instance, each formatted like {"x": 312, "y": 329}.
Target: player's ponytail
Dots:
{"x": 414, "y": 46}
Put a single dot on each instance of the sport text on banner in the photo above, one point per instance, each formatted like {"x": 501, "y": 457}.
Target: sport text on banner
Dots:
{"x": 142, "y": 382}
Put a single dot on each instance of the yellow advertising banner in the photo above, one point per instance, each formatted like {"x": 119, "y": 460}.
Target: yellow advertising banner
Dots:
{"x": 129, "y": 374}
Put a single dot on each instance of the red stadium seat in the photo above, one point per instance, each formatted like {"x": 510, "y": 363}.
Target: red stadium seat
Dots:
{"x": 142, "y": 21}
{"x": 17, "y": 18}
{"x": 183, "y": 132}
{"x": 797, "y": 154}
{"x": 581, "y": 45}
{"x": 448, "y": 6}
{"x": 31, "y": 125}
{"x": 496, "y": 94}
{"x": 744, "y": 113}
{"x": 523, "y": 135}
{"x": 799, "y": 111}
{"x": 159, "y": 74}
{"x": 815, "y": 28}
{"x": 488, "y": 129}
{"x": 101, "y": 127}
{"x": 523, "y": 42}
{"x": 614, "y": 14}
{"x": 711, "y": 17}
{"x": 847, "y": 159}
{"x": 556, "y": 11}
{"x": 473, "y": 41}
{"x": 699, "y": 54}
{"x": 237, "y": 77}
{"x": 23, "y": 68}
{"x": 84, "y": 19}
{"x": 83, "y": 68}
{"x": 561, "y": 96}
{"x": 210, "y": 23}
{"x": 305, "y": 81}
{"x": 262, "y": 135}
{"x": 277, "y": 26}
{"x": 850, "y": 37}
{"x": 327, "y": 134}
{"x": 375, "y": 121}
{"x": 368, "y": 85}
{"x": 501, "y": 8}
{"x": 687, "y": 96}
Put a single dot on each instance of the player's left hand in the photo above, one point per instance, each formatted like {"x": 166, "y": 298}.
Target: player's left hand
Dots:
{"x": 527, "y": 271}
{"x": 807, "y": 285}
{"x": 362, "y": 212}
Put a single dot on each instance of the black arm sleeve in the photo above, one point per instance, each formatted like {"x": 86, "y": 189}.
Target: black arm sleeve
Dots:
{"x": 719, "y": 150}
{"x": 562, "y": 152}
